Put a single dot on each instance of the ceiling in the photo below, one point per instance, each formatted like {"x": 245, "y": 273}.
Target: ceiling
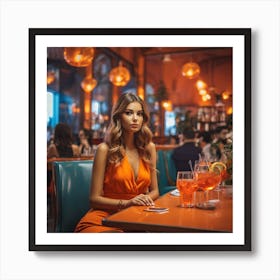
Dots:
{"x": 199, "y": 54}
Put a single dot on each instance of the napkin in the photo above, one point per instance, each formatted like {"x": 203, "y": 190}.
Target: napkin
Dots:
{"x": 175, "y": 192}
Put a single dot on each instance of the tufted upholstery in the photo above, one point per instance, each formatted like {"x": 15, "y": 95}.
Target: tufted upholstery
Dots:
{"x": 72, "y": 184}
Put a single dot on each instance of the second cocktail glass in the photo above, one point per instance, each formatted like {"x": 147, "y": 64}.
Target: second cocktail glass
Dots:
{"x": 207, "y": 180}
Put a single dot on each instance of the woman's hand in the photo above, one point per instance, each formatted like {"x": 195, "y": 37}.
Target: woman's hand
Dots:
{"x": 141, "y": 199}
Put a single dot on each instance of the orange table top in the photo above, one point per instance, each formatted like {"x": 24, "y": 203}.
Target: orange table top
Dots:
{"x": 177, "y": 219}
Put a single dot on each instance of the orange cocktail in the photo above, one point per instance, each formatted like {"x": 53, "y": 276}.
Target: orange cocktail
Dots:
{"x": 224, "y": 175}
{"x": 207, "y": 181}
{"x": 209, "y": 176}
{"x": 187, "y": 185}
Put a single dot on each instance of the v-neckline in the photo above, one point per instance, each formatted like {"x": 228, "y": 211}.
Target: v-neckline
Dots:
{"x": 132, "y": 170}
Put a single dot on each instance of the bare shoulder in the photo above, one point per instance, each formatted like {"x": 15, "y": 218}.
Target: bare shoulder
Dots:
{"x": 76, "y": 150}
{"x": 102, "y": 149}
{"x": 101, "y": 156}
{"x": 74, "y": 146}
{"x": 151, "y": 147}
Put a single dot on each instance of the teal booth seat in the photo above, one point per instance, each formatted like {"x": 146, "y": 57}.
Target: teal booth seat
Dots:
{"x": 166, "y": 171}
{"x": 72, "y": 181}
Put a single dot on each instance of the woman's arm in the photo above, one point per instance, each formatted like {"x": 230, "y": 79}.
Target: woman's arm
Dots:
{"x": 80, "y": 148}
{"x": 97, "y": 200}
{"x": 153, "y": 191}
{"x": 76, "y": 150}
{"x": 52, "y": 151}
{"x": 84, "y": 145}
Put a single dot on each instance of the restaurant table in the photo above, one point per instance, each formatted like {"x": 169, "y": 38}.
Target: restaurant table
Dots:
{"x": 177, "y": 219}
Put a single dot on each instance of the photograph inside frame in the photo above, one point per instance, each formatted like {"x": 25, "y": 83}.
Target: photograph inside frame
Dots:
{"x": 140, "y": 140}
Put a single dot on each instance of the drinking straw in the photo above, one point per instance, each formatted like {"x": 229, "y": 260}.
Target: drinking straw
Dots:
{"x": 190, "y": 163}
{"x": 203, "y": 159}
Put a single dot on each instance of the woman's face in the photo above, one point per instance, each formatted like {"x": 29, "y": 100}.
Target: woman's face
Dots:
{"x": 82, "y": 134}
{"x": 132, "y": 117}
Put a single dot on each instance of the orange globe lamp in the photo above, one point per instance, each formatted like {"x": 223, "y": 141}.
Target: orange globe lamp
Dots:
{"x": 88, "y": 84}
{"x": 78, "y": 57}
{"x": 190, "y": 70}
{"x": 119, "y": 76}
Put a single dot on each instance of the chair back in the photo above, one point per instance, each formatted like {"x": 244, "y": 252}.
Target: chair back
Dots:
{"x": 170, "y": 167}
{"x": 72, "y": 181}
{"x": 166, "y": 180}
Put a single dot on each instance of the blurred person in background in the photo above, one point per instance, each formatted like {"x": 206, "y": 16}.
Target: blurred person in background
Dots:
{"x": 85, "y": 137}
{"x": 187, "y": 151}
{"x": 218, "y": 144}
{"x": 173, "y": 140}
{"x": 205, "y": 141}
{"x": 62, "y": 145}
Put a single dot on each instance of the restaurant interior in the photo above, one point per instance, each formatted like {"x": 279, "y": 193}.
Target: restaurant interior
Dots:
{"x": 182, "y": 87}
{"x": 174, "y": 82}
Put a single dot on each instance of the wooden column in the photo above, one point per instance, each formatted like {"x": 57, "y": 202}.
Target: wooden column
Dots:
{"x": 115, "y": 94}
{"x": 87, "y": 110}
{"x": 141, "y": 77}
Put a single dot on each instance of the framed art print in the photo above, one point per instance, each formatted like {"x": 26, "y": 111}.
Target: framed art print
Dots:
{"x": 199, "y": 77}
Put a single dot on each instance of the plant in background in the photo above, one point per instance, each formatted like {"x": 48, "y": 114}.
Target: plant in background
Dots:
{"x": 228, "y": 153}
{"x": 161, "y": 93}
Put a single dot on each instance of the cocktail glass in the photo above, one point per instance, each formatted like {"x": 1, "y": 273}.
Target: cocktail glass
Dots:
{"x": 207, "y": 180}
{"x": 187, "y": 185}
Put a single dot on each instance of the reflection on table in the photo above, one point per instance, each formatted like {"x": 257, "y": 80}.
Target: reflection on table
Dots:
{"x": 177, "y": 219}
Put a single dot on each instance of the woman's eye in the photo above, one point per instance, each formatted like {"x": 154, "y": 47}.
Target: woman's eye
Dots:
{"x": 129, "y": 113}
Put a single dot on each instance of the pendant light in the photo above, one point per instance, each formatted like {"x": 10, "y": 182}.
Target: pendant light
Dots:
{"x": 88, "y": 83}
{"x": 78, "y": 57}
{"x": 119, "y": 76}
{"x": 191, "y": 70}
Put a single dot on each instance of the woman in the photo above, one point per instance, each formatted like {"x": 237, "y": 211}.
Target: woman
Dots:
{"x": 205, "y": 141}
{"x": 124, "y": 169}
{"x": 85, "y": 146}
{"x": 63, "y": 143}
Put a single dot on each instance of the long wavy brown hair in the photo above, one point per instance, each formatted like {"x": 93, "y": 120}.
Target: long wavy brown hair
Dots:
{"x": 114, "y": 136}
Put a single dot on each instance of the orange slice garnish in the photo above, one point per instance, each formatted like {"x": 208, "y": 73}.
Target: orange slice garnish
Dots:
{"x": 218, "y": 167}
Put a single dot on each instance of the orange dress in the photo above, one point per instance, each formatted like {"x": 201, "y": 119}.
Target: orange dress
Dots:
{"x": 119, "y": 183}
